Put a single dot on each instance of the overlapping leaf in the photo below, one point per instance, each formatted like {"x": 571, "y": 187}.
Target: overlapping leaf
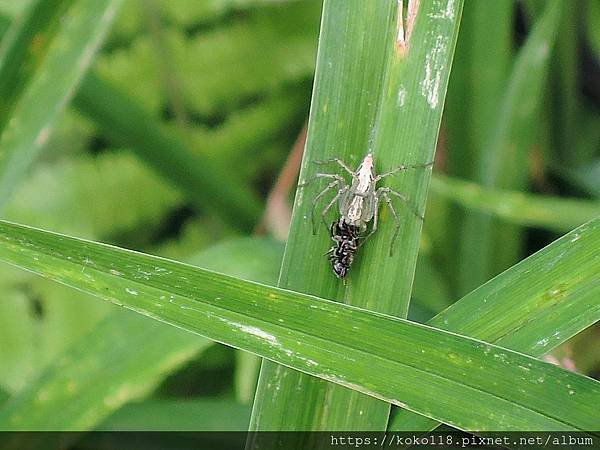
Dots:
{"x": 436, "y": 373}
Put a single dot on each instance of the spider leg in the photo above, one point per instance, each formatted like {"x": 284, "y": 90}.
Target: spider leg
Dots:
{"x": 331, "y": 203}
{"x": 413, "y": 208}
{"x": 338, "y": 161}
{"x": 402, "y": 167}
{"x": 315, "y": 201}
{"x": 383, "y": 192}
{"x": 322, "y": 175}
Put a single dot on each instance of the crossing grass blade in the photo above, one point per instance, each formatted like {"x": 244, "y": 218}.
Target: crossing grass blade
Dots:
{"x": 433, "y": 372}
{"x": 376, "y": 89}
{"x": 39, "y": 72}
{"x": 531, "y": 308}
{"x": 347, "y": 90}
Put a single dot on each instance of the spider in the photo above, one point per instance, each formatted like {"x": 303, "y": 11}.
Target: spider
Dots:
{"x": 359, "y": 202}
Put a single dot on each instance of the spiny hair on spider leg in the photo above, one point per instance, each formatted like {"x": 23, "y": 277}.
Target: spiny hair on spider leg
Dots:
{"x": 341, "y": 255}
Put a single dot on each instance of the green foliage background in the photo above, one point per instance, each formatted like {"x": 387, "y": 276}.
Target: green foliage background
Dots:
{"x": 519, "y": 151}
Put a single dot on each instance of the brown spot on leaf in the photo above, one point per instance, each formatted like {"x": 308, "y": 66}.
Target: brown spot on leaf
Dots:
{"x": 405, "y": 25}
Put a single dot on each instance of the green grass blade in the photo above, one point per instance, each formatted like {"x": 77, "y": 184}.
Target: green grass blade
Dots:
{"x": 4, "y": 25}
{"x": 513, "y": 134}
{"x": 52, "y": 83}
{"x": 372, "y": 92}
{"x": 531, "y": 314}
{"x": 64, "y": 399}
{"x": 477, "y": 83}
{"x": 592, "y": 25}
{"x": 553, "y": 213}
{"x": 430, "y": 290}
{"x": 564, "y": 103}
{"x": 432, "y": 372}
{"x": 482, "y": 63}
{"x": 128, "y": 124}
{"x": 406, "y": 133}
{"x": 346, "y": 95}
{"x": 25, "y": 47}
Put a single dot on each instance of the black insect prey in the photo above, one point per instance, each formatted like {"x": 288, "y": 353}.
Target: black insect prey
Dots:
{"x": 341, "y": 255}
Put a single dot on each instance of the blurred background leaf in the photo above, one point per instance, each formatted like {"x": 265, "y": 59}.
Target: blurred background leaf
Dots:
{"x": 43, "y": 58}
